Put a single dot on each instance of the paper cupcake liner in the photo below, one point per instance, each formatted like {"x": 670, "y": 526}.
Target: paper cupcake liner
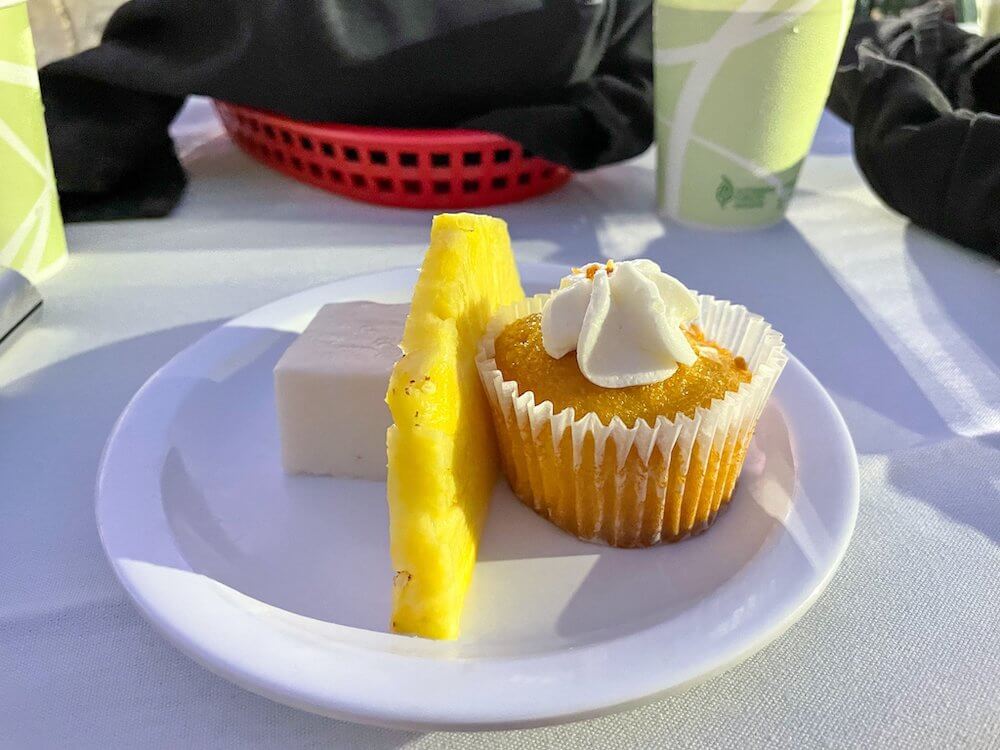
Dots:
{"x": 632, "y": 486}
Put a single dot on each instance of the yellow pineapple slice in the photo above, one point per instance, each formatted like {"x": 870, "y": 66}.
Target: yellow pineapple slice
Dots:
{"x": 442, "y": 452}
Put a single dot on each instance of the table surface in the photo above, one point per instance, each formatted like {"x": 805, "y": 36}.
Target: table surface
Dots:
{"x": 903, "y": 649}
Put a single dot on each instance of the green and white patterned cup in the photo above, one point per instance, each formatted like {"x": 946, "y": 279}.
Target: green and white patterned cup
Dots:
{"x": 31, "y": 231}
{"x": 740, "y": 87}
{"x": 988, "y": 12}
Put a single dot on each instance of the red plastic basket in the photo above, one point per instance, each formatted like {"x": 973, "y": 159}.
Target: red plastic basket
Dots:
{"x": 394, "y": 166}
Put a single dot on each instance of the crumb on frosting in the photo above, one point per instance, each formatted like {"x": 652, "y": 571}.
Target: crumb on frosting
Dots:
{"x": 591, "y": 269}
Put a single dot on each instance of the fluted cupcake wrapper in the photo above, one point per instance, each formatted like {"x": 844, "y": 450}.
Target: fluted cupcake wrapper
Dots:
{"x": 640, "y": 485}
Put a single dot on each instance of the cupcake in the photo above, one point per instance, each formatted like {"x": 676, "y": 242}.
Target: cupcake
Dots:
{"x": 624, "y": 403}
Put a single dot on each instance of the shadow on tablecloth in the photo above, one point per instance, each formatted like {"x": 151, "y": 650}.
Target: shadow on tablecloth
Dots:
{"x": 88, "y": 670}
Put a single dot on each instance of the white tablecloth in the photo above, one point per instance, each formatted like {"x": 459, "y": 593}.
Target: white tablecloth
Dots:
{"x": 903, "y": 650}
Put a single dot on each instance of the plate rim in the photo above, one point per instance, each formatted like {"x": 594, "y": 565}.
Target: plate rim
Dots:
{"x": 417, "y": 717}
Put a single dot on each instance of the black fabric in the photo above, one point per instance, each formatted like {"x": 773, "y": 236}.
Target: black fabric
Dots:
{"x": 570, "y": 80}
{"x": 923, "y": 97}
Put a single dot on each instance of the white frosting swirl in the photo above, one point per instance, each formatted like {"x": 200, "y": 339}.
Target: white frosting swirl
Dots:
{"x": 624, "y": 321}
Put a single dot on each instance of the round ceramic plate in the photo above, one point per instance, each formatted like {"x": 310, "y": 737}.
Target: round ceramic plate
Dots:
{"x": 281, "y": 584}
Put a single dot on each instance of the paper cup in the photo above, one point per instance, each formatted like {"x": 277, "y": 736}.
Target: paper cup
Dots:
{"x": 739, "y": 89}
{"x": 632, "y": 486}
{"x": 988, "y": 13}
{"x": 31, "y": 232}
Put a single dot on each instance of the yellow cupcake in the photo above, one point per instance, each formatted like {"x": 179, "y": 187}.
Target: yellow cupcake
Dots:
{"x": 521, "y": 357}
{"x": 632, "y": 431}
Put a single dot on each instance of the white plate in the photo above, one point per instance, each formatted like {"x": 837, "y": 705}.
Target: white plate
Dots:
{"x": 282, "y": 584}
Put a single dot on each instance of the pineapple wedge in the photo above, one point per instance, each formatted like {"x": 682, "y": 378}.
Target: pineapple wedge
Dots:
{"x": 442, "y": 451}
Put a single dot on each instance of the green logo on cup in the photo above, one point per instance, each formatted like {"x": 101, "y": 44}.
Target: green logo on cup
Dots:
{"x": 742, "y": 197}
{"x": 724, "y": 193}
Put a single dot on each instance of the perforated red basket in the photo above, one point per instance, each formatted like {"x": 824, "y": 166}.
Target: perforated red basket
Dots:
{"x": 394, "y": 166}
